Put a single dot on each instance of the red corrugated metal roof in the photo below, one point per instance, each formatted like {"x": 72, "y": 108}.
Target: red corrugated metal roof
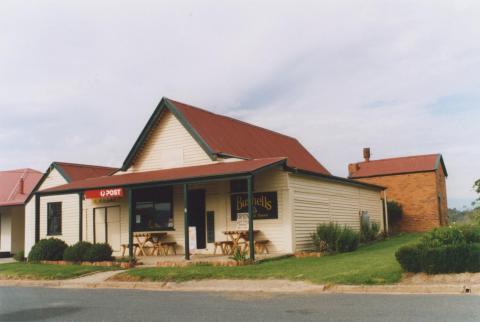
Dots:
{"x": 167, "y": 175}
{"x": 229, "y": 136}
{"x": 75, "y": 171}
{"x": 10, "y": 193}
{"x": 418, "y": 163}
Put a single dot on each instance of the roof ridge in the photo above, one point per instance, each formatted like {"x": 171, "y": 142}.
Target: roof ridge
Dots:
{"x": 404, "y": 157}
{"x": 233, "y": 119}
{"x": 21, "y": 170}
{"x": 84, "y": 165}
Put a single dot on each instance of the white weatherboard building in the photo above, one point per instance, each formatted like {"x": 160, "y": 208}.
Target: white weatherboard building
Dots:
{"x": 193, "y": 168}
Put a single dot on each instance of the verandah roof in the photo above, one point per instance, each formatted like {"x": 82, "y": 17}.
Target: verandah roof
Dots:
{"x": 214, "y": 170}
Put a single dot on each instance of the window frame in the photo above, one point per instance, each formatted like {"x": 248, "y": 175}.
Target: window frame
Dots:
{"x": 52, "y": 216}
{"x": 169, "y": 191}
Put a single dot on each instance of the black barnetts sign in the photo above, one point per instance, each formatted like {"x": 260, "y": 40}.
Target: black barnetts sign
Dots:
{"x": 264, "y": 205}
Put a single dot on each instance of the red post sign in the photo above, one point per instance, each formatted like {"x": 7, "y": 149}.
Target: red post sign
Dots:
{"x": 104, "y": 193}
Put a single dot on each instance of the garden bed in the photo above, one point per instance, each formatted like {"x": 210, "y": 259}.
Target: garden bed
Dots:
{"x": 98, "y": 264}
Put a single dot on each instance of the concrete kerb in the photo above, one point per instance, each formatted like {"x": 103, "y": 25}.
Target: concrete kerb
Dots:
{"x": 248, "y": 286}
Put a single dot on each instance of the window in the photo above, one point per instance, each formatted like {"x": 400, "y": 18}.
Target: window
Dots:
{"x": 153, "y": 209}
{"x": 54, "y": 218}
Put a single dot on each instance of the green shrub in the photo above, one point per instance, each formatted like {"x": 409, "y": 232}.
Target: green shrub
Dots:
{"x": 347, "y": 241}
{"x": 443, "y": 236}
{"x": 47, "y": 249}
{"x": 326, "y": 236}
{"x": 19, "y": 256}
{"x": 395, "y": 212}
{"x": 409, "y": 257}
{"x": 99, "y": 253}
{"x": 471, "y": 233}
{"x": 76, "y": 252}
{"x": 369, "y": 231}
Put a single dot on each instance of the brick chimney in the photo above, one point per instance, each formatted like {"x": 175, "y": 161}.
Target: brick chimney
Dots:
{"x": 21, "y": 187}
{"x": 366, "y": 154}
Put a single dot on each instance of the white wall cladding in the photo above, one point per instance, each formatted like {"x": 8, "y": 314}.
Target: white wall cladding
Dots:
{"x": 318, "y": 201}
{"x": 169, "y": 138}
{"x": 29, "y": 225}
{"x": 70, "y": 217}
{"x": 54, "y": 179}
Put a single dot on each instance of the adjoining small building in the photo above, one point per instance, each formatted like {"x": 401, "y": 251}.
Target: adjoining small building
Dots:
{"x": 59, "y": 173}
{"x": 417, "y": 183}
{"x": 194, "y": 176}
{"x": 15, "y": 188}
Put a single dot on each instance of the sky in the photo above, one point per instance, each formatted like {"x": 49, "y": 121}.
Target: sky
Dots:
{"x": 79, "y": 79}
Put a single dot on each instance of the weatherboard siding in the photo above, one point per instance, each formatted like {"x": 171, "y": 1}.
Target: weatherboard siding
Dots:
{"x": 217, "y": 199}
{"x": 318, "y": 201}
{"x": 53, "y": 179}
{"x": 70, "y": 217}
{"x": 169, "y": 146}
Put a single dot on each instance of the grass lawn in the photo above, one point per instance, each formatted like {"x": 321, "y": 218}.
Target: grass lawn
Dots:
{"x": 371, "y": 264}
{"x": 47, "y": 271}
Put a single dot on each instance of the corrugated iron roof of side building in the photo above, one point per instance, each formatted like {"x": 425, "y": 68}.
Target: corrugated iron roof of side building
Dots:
{"x": 399, "y": 165}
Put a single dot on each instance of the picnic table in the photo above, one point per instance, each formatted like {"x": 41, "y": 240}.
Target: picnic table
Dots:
{"x": 236, "y": 235}
{"x": 151, "y": 237}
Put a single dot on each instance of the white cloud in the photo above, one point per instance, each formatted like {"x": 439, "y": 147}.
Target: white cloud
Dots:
{"x": 79, "y": 79}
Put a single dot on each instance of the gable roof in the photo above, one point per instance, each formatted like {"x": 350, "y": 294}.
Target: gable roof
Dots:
{"x": 74, "y": 171}
{"x": 222, "y": 136}
{"x": 418, "y": 163}
{"x": 173, "y": 175}
{"x": 10, "y": 185}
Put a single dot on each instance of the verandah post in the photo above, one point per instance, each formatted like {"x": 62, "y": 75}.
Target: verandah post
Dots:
{"x": 130, "y": 223}
{"x": 37, "y": 217}
{"x": 250, "y": 219}
{"x": 185, "y": 221}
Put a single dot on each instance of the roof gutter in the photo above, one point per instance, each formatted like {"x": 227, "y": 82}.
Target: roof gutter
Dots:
{"x": 334, "y": 178}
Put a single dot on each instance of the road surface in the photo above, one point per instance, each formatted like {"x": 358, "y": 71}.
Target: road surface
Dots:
{"x": 46, "y": 304}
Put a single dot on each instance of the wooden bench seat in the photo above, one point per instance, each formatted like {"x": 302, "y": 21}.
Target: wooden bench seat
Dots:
{"x": 261, "y": 246}
{"x": 167, "y": 245}
{"x": 125, "y": 247}
{"x": 225, "y": 246}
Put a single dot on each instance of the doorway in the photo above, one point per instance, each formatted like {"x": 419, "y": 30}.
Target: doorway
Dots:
{"x": 196, "y": 215}
{"x": 106, "y": 226}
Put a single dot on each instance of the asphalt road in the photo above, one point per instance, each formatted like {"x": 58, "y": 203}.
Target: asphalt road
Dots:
{"x": 43, "y": 304}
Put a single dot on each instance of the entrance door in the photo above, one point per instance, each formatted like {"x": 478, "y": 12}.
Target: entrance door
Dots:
{"x": 113, "y": 228}
{"x": 99, "y": 225}
{"x": 107, "y": 226}
{"x": 196, "y": 216}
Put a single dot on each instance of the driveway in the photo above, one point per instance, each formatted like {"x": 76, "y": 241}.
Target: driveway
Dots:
{"x": 39, "y": 304}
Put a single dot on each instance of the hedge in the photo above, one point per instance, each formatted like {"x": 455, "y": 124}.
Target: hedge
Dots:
{"x": 443, "y": 250}
{"x": 77, "y": 252}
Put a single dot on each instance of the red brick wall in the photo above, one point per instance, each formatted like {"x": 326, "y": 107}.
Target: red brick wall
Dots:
{"x": 418, "y": 194}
